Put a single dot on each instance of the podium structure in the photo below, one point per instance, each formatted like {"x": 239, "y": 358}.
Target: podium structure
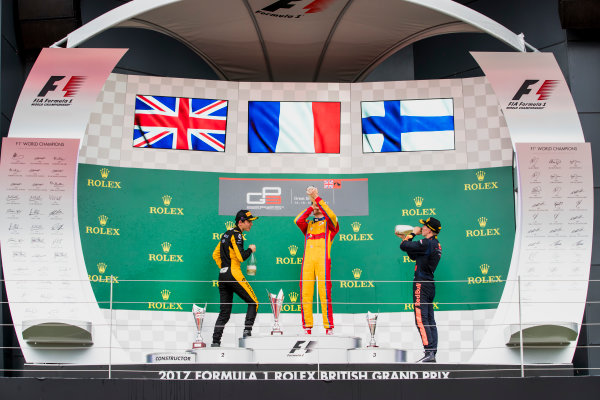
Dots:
{"x": 299, "y": 349}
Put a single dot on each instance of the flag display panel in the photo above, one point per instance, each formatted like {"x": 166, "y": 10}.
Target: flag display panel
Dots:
{"x": 407, "y": 125}
{"x": 293, "y": 127}
{"x": 179, "y": 123}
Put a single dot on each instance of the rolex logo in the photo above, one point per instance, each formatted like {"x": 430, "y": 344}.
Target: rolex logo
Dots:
{"x": 418, "y": 212}
{"x": 229, "y": 225}
{"x": 478, "y": 280}
{"x": 290, "y": 260}
{"x": 293, "y": 297}
{"x": 480, "y": 184}
{"x": 482, "y": 231}
{"x": 484, "y": 268}
{"x": 164, "y": 257}
{"x": 418, "y": 201}
{"x": 102, "y": 279}
{"x": 103, "y": 183}
{"x": 101, "y": 267}
{"x": 103, "y": 219}
{"x": 293, "y": 250}
{"x": 356, "y": 283}
{"x": 356, "y": 237}
{"x": 101, "y": 230}
{"x": 166, "y": 210}
{"x": 165, "y": 294}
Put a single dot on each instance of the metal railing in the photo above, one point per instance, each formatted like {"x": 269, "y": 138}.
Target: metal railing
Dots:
{"x": 398, "y": 320}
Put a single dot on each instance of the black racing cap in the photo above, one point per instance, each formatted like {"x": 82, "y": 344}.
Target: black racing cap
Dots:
{"x": 244, "y": 215}
{"x": 432, "y": 223}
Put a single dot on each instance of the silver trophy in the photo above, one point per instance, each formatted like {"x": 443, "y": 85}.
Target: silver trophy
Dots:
{"x": 199, "y": 313}
{"x": 276, "y": 304}
{"x": 372, "y": 322}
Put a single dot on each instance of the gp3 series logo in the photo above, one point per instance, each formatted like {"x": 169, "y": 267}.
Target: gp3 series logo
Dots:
{"x": 267, "y": 196}
{"x": 293, "y": 8}
{"x": 536, "y": 100}
{"x": 59, "y": 90}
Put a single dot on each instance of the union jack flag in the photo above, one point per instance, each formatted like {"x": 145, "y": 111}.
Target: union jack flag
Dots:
{"x": 180, "y": 123}
{"x": 332, "y": 184}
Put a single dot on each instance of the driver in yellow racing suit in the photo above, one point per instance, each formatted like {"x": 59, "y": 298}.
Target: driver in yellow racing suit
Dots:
{"x": 316, "y": 263}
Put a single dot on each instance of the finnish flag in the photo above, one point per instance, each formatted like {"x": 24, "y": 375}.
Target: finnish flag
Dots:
{"x": 407, "y": 125}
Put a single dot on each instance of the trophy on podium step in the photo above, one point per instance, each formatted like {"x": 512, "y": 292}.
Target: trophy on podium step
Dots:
{"x": 372, "y": 322}
{"x": 276, "y": 304}
{"x": 199, "y": 313}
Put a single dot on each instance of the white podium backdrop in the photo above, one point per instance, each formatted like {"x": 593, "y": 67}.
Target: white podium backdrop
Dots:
{"x": 548, "y": 279}
{"x": 482, "y": 140}
{"x": 45, "y": 281}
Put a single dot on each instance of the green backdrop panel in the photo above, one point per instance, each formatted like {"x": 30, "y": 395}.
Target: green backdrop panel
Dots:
{"x": 154, "y": 231}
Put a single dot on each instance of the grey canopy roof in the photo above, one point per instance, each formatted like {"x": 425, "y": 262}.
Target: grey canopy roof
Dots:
{"x": 296, "y": 40}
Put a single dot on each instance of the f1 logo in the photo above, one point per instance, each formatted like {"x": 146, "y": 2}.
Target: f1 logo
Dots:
{"x": 268, "y": 195}
{"x": 279, "y": 4}
{"x": 70, "y": 89}
{"x": 302, "y": 347}
{"x": 314, "y": 7}
{"x": 544, "y": 91}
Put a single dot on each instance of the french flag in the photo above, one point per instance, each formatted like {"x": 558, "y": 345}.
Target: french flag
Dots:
{"x": 293, "y": 127}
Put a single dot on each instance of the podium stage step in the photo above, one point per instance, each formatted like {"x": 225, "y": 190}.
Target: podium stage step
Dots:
{"x": 301, "y": 349}
{"x": 223, "y": 355}
{"x": 290, "y": 349}
{"x": 376, "y": 355}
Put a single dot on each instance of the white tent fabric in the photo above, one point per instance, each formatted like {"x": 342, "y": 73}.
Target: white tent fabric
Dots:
{"x": 296, "y": 40}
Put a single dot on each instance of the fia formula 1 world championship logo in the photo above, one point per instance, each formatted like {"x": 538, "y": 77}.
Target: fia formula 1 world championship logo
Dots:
{"x": 294, "y": 8}
{"x": 59, "y": 90}
{"x": 533, "y": 95}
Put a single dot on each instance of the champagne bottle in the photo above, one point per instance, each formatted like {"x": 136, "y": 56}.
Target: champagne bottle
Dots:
{"x": 251, "y": 266}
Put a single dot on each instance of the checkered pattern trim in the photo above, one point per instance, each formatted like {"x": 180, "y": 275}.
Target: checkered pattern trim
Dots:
{"x": 140, "y": 333}
{"x": 481, "y": 135}
{"x": 408, "y": 161}
{"x": 487, "y": 138}
{"x": 102, "y": 141}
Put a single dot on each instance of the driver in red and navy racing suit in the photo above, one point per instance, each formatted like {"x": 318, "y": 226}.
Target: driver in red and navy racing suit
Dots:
{"x": 426, "y": 253}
